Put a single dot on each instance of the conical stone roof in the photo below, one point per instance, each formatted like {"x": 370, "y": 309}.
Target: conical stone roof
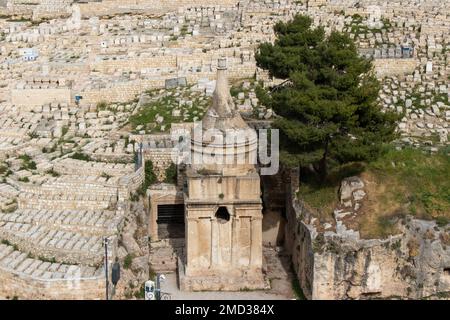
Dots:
{"x": 222, "y": 114}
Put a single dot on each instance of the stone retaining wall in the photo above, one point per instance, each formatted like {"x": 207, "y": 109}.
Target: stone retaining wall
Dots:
{"x": 38, "y": 97}
{"x": 158, "y": 6}
{"x": 128, "y": 91}
{"x": 130, "y": 183}
{"x": 13, "y": 284}
{"x": 394, "y": 67}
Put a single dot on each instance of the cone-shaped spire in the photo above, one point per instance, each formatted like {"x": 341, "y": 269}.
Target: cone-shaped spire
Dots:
{"x": 222, "y": 114}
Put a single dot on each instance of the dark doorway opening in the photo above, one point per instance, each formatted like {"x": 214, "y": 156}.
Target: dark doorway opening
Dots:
{"x": 170, "y": 221}
{"x": 447, "y": 272}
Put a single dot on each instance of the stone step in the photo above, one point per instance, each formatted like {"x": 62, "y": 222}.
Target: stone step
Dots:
{"x": 63, "y": 201}
{"x": 62, "y": 246}
{"x": 18, "y": 262}
{"x": 99, "y": 222}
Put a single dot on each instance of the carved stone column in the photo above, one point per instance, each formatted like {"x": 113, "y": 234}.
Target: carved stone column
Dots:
{"x": 235, "y": 242}
{"x": 214, "y": 243}
{"x": 191, "y": 244}
{"x": 256, "y": 242}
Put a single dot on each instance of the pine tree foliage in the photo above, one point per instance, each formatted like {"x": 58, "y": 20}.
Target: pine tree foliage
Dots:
{"x": 328, "y": 102}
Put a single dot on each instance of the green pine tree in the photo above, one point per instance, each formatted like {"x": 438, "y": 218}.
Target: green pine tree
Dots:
{"x": 328, "y": 102}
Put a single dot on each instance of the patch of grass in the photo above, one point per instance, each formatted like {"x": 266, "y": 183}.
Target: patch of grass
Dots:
{"x": 422, "y": 180}
{"x": 399, "y": 183}
{"x": 164, "y": 105}
{"x": 385, "y": 226}
{"x": 27, "y": 162}
{"x": 322, "y": 197}
{"x": 147, "y": 114}
{"x": 442, "y": 221}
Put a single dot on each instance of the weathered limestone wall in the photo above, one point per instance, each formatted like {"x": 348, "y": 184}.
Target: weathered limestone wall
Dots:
{"x": 161, "y": 158}
{"x": 13, "y": 284}
{"x": 130, "y": 183}
{"x": 413, "y": 264}
{"x": 395, "y": 67}
{"x": 39, "y": 97}
{"x": 37, "y": 9}
{"x": 128, "y": 91}
{"x": 158, "y": 6}
{"x": 169, "y": 61}
{"x": 93, "y": 257}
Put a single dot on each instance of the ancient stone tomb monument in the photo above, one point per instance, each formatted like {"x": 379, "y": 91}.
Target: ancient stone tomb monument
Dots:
{"x": 223, "y": 209}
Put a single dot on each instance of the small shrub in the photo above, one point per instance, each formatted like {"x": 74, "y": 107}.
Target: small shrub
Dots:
{"x": 53, "y": 173}
{"x": 27, "y": 163}
{"x": 396, "y": 245}
{"x": 171, "y": 174}
{"x": 64, "y": 130}
{"x": 6, "y": 242}
{"x": 44, "y": 259}
{"x": 442, "y": 221}
{"x": 297, "y": 290}
{"x": 105, "y": 175}
{"x": 102, "y": 105}
{"x": 32, "y": 165}
{"x": 81, "y": 156}
{"x": 413, "y": 247}
{"x": 3, "y": 169}
{"x": 140, "y": 293}
{"x": 150, "y": 176}
{"x": 127, "y": 261}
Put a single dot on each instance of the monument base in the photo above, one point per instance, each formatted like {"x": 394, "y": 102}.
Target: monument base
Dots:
{"x": 223, "y": 281}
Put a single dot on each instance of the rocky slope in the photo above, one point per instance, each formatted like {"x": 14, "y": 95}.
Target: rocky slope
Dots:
{"x": 332, "y": 261}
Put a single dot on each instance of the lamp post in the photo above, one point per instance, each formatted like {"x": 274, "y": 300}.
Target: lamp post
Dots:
{"x": 158, "y": 287}
{"x": 105, "y": 243}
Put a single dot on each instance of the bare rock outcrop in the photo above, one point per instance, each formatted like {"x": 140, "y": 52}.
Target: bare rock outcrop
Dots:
{"x": 338, "y": 264}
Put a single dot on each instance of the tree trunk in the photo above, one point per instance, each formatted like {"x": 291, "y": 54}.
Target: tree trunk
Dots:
{"x": 323, "y": 168}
